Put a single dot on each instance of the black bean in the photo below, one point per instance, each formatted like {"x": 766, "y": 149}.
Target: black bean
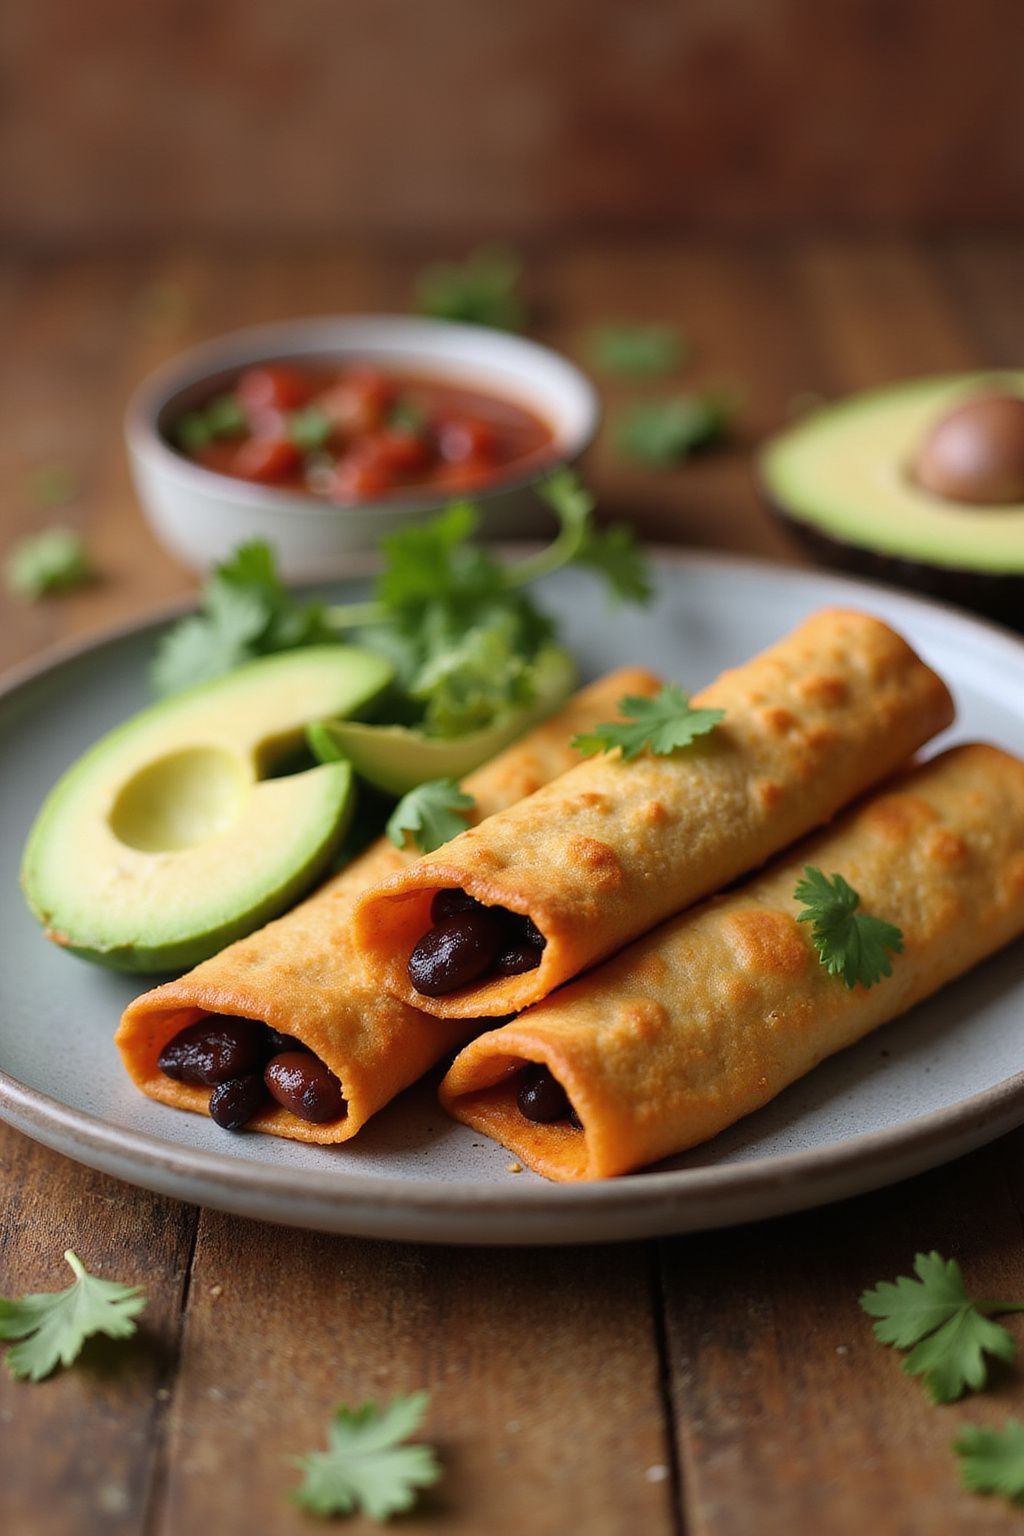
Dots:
{"x": 305, "y": 1085}
{"x": 213, "y": 1050}
{"x": 541, "y": 1097}
{"x": 574, "y": 1119}
{"x": 276, "y": 1042}
{"x": 452, "y": 903}
{"x": 455, "y": 953}
{"x": 516, "y": 959}
{"x": 233, "y": 1104}
{"x": 532, "y": 934}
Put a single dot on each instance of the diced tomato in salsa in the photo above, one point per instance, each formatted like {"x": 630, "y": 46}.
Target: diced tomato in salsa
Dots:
{"x": 357, "y": 432}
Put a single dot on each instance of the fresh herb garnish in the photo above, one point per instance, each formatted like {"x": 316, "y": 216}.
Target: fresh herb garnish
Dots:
{"x": 246, "y": 612}
{"x": 223, "y": 416}
{"x": 637, "y": 351}
{"x": 467, "y": 641}
{"x": 52, "y": 561}
{"x": 309, "y": 429}
{"x": 481, "y": 290}
{"x": 661, "y": 433}
{"x": 366, "y": 1466}
{"x": 992, "y": 1460}
{"x": 51, "y": 1327}
{"x": 432, "y": 814}
{"x": 660, "y": 725}
{"x": 405, "y": 416}
{"x": 948, "y": 1332}
{"x": 850, "y": 944}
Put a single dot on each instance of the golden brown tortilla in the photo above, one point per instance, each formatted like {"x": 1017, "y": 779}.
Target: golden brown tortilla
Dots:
{"x": 713, "y": 1014}
{"x": 612, "y": 848}
{"x": 301, "y": 974}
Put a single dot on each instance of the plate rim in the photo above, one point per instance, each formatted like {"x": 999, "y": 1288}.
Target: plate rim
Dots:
{"x": 34, "y": 1112}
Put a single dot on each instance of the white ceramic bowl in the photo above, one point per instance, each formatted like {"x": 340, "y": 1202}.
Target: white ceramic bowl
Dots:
{"x": 200, "y": 516}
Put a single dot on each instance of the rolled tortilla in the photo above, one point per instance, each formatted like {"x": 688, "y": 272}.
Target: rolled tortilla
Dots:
{"x": 613, "y": 848}
{"x": 301, "y": 974}
{"x": 713, "y": 1014}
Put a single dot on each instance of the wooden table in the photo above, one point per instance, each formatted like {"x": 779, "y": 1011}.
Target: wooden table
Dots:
{"x": 725, "y": 1384}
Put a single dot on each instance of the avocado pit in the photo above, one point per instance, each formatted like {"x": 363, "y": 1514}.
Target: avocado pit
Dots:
{"x": 975, "y": 453}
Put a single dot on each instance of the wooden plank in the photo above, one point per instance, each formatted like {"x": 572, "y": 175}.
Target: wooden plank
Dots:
{"x": 79, "y": 1452}
{"x": 793, "y": 1419}
{"x": 543, "y": 1369}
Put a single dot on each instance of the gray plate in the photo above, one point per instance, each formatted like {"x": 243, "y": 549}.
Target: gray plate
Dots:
{"x": 934, "y": 1085}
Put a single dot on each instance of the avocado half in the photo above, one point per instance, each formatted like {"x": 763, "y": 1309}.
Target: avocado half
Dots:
{"x": 170, "y": 837}
{"x": 841, "y": 479}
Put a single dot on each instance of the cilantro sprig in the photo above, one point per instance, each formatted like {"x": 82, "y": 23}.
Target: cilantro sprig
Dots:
{"x": 949, "y": 1333}
{"x": 55, "y": 560}
{"x": 431, "y": 814}
{"x": 662, "y": 433}
{"x": 466, "y": 638}
{"x": 992, "y": 1460}
{"x": 482, "y": 290}
{"x": 636, "y": 351}
{"x": 367, "y": 1466}
{"x": 850, "y": 943}
{"x": 660, "y": 725}
{"x": 51, "y": 1327}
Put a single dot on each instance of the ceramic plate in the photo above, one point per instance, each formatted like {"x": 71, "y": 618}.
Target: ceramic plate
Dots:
{"x": 937, "y": 1083}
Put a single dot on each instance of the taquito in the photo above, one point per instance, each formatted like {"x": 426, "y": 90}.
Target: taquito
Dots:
{"x": 713, "y": 1014}
{"x": 301, "y": 975}
{"x": 613, "y": 847}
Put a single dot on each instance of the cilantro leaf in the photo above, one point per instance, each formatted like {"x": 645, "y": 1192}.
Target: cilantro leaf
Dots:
{"x": 992, "y": 1460}
{"x": 615, "y": 553}
{"x": 51, "y": 1327}
{"x": 661, "y": 433}
{"x": 660, "y": 725}
{"x": 245, "y": 612}
{"x": 366, "y": 1467}
{"x": 947, "y": 1332}
{"x": 482, "y": 290}
{"x": 850, "y": 944}
{"x": 52, "y": 561}
{"x": 638, "y": 351}
{"x": 309, "y": 429}
{"x": 432, "y": 814}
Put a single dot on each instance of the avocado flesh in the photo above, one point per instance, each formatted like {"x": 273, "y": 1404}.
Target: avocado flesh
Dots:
{"x": 396, "y": 758}
{"x": 164, "y": 842}
{"x": 844, "y": 473}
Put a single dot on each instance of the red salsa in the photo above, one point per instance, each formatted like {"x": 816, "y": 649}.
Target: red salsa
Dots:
{"x": 356, "y": 432}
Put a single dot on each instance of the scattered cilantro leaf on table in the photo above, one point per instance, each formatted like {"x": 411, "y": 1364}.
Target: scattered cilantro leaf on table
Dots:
{"x": 948, "y": 1332}
{"x": 662, "y": 433}
{"x": 482, "y": 290}
{"x": 366, "y": 1466}
{"x": 432, "y": 814}
{"x": 660, "y": 725}
{"x": 992, "y": 1460}
{"x": 637, "y": 351}
{"x": 850, "y": 944}
{"x": 51, "y": 1327}
{"x": 52, "y": 561}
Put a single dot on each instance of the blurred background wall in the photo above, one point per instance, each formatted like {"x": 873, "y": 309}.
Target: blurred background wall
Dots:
{"x": 295, "y": 119}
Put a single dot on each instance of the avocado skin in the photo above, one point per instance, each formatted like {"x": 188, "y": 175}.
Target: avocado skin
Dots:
{"x": 993, "y": 595}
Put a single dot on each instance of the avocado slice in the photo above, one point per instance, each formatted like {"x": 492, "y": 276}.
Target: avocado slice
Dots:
{"x": 843, "y": 478}
{"x": 395, "y": 758}
{"x": 167, "y": 840}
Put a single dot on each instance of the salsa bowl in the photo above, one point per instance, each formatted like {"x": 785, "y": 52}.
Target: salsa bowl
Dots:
{"x": 201, "y": 514}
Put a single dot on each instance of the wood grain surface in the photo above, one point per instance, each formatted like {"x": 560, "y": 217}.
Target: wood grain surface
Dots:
{"x": 720, "y": 1385}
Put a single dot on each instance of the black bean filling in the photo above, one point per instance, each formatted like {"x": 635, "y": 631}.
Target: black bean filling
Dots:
{"x": 542, "y": 1099}
{"x": 248, "y": 1064}
{"x": 469, "y": 942}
